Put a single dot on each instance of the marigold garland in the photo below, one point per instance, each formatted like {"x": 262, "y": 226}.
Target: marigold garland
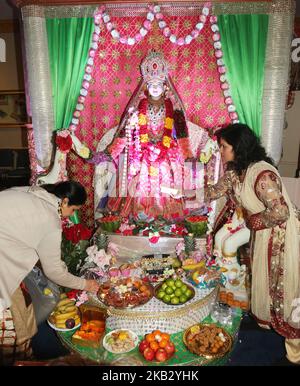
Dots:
{"x": 167, "y": 134}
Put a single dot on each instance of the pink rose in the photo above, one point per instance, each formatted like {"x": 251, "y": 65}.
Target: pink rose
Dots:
{"x": 147, "y": 24}
{"x": 195, "y": 33}
{"x": 180, "y": 41}
{"x": 218, "y": 54}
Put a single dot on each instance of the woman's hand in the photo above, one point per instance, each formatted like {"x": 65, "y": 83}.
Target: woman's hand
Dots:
{"x": 91, "y": 286}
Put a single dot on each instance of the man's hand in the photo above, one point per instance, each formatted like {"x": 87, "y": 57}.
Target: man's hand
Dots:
{"x": 92, "y": 286}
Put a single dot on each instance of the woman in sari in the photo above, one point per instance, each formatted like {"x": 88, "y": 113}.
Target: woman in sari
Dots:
{"x": 254, "y": 184}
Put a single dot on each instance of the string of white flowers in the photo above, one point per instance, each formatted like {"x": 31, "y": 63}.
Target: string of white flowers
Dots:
{"x": 153, "y": 14}
{"x": 222, "y": 70}
{"x": 180, "y": 41}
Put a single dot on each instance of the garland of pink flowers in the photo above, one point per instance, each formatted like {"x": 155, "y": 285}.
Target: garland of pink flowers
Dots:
{"x": 155, "y": 13}
{"x": 222, "y": 70}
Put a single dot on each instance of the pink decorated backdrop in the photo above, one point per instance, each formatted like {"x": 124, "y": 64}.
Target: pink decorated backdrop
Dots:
{"x": 116, "y": 74}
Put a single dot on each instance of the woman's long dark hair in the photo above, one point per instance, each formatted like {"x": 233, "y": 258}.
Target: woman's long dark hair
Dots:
{"x": 72, "y": 190}
{"x": 246, "y": 146}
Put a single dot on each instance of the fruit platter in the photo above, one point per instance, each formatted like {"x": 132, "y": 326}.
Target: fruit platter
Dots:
{"x": 157, "y": 346}
{"x": 196, "y": 225}
{"x": 93, "y": 322}
{"x": 109, "y": 223}
{"x": 207, "y": 340}
{"x": 65, "y": 316}
{"x": 120, "y": 341}
{"x": 174, "y": 292}
{"x": 125, "y": 292}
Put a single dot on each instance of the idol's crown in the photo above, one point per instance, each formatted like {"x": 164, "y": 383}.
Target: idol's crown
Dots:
{"x": 154, "y": 67}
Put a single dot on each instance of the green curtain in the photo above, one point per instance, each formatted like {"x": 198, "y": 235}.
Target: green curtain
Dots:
{"x": 68, "y": 43}
{"x": 244, "y": 39}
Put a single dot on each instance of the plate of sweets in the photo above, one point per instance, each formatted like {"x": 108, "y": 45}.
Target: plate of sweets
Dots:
{"x": 207, "y": 340}
{"x": 120, "y": 341}
{"x": 125, "y": 292}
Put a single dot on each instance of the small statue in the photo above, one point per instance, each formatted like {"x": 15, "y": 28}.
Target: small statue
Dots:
{"x": 227, "y": 241}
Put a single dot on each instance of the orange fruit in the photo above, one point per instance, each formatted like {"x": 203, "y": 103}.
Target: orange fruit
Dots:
{"x": 165, "y": 336}
{"x": 150, "y": 338}
{"x": 156, "y": 332}
{"x": 163, "y": 343}
{"x": 154, "y": 345}
{"x": 143, "y": 288}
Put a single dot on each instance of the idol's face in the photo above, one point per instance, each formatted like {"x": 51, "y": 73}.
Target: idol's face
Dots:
{"x": 155, "y": 89}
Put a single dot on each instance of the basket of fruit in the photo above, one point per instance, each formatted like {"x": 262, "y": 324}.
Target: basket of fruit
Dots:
{"x": 174, "y": 292}
{"x": 196, "y": 225}
{"x": 109, "y": 223}
{"x": 157, "y": 346}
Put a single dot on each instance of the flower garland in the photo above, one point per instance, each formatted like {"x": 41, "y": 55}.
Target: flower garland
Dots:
{"x": 154, "y": 13}
{"x": 143, "y": 123}
{"x": 222, "y": 70}
{"x": 180, "y": 41}
{"x": 64, "y": 141}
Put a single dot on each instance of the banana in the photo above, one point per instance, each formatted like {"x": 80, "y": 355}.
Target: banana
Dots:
{"x": 70, "y": 308}
{"x": 63, "y": 302}
{"x": 193, "y": 266}
{"x": 62, "y": 324}
{"x": 66, "y": 308}
{"x": 65, "y": 316}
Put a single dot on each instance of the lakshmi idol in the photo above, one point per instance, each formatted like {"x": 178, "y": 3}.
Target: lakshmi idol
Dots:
{"x": 149, "y": 148}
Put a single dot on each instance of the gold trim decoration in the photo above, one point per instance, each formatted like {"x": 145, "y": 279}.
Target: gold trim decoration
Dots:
{"x": 134, "y": 9}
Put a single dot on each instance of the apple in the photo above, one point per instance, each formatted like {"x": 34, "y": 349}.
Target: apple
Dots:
{"x": 170, "y": 349}
{"x": 143, "y": 345}
{"x": 149, "y": 354}
{"x": 161, "y": 355}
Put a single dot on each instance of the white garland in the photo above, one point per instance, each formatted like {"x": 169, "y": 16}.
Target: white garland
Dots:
{"x": 222, "y": 70}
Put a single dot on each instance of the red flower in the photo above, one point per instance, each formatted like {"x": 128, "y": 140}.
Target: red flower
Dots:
{"x": 127, "y": 232}
{"x": 154, "y": 239}
{"x": 77, "y": 232}
{"x": 73, "y": 294}
{"x": 196, "y": 218}
{"x": 64, "y": 143}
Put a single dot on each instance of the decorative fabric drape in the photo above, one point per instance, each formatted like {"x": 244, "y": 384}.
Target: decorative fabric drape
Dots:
{"x": 244, "y": 39}
{"x": 68, "y": 44}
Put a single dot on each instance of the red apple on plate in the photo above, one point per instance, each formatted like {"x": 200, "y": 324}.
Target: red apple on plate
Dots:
{"x": 161, "y": 355}
{"x": 149, "y": 354}
{"x": 143, "y": 345}
{"x": 170, "y": 349}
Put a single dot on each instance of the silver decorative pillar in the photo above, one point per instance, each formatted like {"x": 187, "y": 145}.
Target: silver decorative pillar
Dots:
{"x": 39, "y": 81}
{"x": 276, "y": 80}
